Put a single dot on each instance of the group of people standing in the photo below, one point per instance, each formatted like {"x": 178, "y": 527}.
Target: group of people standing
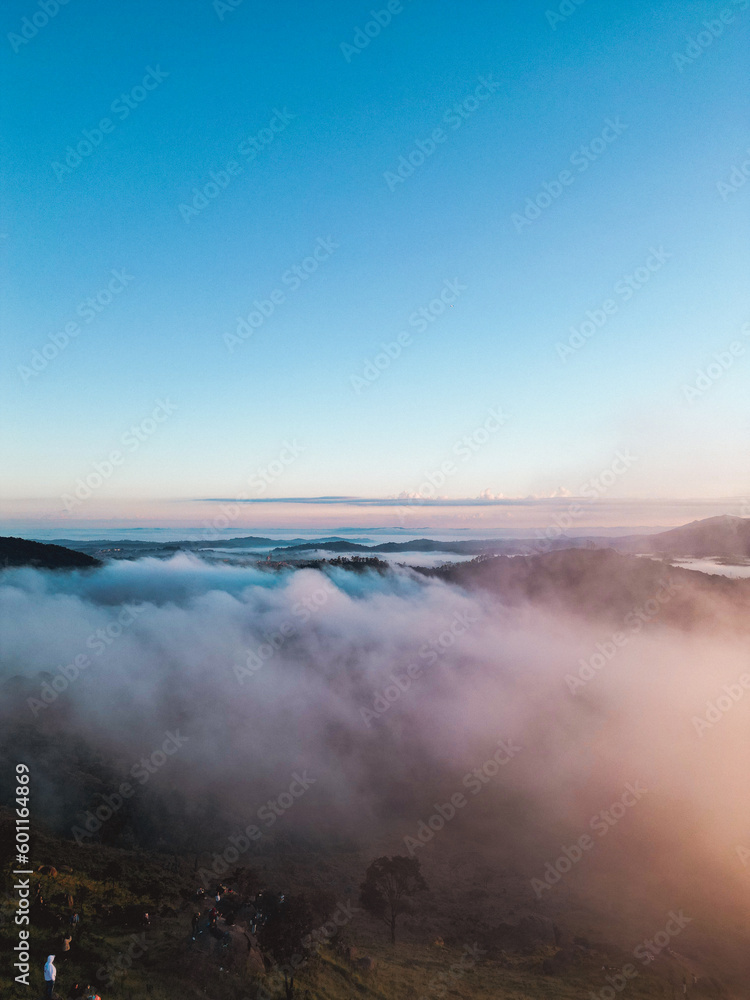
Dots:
{"x": 77, "y": 991}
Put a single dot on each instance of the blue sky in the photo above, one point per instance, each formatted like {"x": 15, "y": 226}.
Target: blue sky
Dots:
{"x": 344, "y": 120}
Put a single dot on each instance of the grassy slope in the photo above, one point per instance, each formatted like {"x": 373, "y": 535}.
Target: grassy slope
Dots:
{"x": 400, "y": 974}
{"x": 172, "y": 968}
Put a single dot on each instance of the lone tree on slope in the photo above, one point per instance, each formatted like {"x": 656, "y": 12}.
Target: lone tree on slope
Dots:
{"x": 287, "y": 926}
{"x": 388, "y": 883}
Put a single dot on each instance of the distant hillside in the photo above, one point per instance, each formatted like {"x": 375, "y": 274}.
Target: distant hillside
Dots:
{"x": 460, "y": 547}
{"x": 128, "y": 548}
{"x": 724, "y": 537}
{"x": 602, "y": 583}
{"x": 20, "y": 552}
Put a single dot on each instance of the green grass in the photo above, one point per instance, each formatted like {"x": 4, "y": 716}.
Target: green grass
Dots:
{"x": 173, "y": 969}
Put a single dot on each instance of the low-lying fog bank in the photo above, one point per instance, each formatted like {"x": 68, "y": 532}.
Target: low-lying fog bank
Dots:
{"x": 596, "y": 742}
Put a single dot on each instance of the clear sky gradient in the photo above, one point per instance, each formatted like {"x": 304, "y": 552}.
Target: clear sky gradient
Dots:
{"x": 316, "y": 129}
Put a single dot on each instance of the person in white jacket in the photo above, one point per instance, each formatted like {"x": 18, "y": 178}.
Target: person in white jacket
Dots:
{"x": 50, "y": 974}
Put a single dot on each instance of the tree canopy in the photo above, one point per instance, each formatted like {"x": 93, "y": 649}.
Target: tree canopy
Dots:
{"x": 389, "y": 883}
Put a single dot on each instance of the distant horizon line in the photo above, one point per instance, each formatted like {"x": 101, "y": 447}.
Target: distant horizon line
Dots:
{"x": 498, "y": 501}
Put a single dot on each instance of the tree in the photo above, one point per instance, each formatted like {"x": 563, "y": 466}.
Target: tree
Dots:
{"x": 283, "y": 935}
{"x": 388, "y": 884}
